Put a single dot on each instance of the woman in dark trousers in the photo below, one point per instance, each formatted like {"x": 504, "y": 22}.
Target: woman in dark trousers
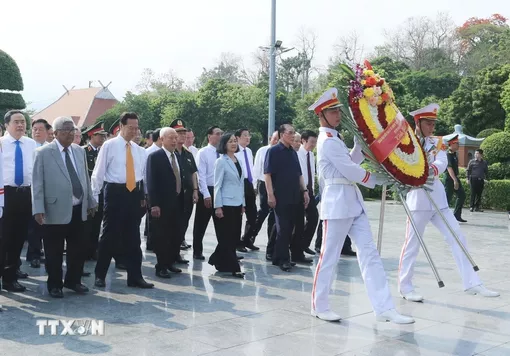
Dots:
{"x": 229, "y": 206}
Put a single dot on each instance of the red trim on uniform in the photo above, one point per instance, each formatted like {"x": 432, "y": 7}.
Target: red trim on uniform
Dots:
{"x": 367, "y": 177}
{"x": 177, "y": 127}
{"x": 426, "y": 115}
{"x": 329, "y": 134}
{"x": 2, "y": 191}
{"x": 115, "y": 130}
{"x": 403, "y": 250}
{"x": 436, "y": 171}
{"x": 326, "y": 104}
{"x": 92, "y": 132}
{"x": 319, "y": 263}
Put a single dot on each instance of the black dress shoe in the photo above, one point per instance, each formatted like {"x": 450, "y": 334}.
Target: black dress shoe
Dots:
{"x": 238, "y": 274}
{"x": 140, "y": 283}
{"x": 121, "y": 266}
{"x": 239, "y": 258}
{"x": 460, "y": 219}
{"x": 56, "y": 293}
{"x": 241, "y": 249}
{"x": 21, "y": 275}
{"x": 286, "y": 267}
{"x": 85, "y": 274}
{"x": 199, "y": 257}
{"x": 163, "y": 274}
{"x": 182, "y": 261}
{"x": 349, "y": 253}
{"x": 302, "y": 259}
{"x": 184, "y": 246}
{"x": 471, "y": 209}
{"x": 100, "y": 283}
{"x": 35, "y": 263}
{"x": 174, "y": 269}
{"x": 292, "y": 263}
{"x": 309, "y": 251}
{"x": 252, "y": 247}
{"x": 78, "y": 288}
{"x": 14, "y": 287}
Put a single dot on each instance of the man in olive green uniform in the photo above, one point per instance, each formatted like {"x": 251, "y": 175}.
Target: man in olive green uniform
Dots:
{"x": 452, "y": 182}
{"x": 96, "y": 136}
{"x": 189, "y": 179}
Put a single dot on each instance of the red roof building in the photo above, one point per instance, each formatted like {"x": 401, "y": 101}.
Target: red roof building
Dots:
{"x": 84, "y": 106}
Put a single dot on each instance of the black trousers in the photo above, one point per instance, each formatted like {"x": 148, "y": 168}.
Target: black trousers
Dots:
{"x": 287, "y": 216}
{"x": 250, "y": 211}
{"x": 74, "y": 235}
{"x": 224, "y": 257}
{"x": 186, "y": 215}
{"x": 477, "y": 185}
{"x": 202, "y": 217}
{"x": 318, "y": 241}
{"x": 121, "y": 231}
{"x": 461, "y": 196}
{"x": 35, "y": 238}
{"x": 264, "y": 212}
{"x": 312, "y": 219}
{"x": 16, "y": 220}
{"x": 93, "y": 229}
{"x": 166, "y": 234}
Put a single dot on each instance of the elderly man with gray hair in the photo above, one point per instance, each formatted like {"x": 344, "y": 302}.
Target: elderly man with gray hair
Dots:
{"x": 61, "y": 200}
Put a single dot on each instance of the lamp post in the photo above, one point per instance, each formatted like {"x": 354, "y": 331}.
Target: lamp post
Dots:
{"x": 272, "y": 72}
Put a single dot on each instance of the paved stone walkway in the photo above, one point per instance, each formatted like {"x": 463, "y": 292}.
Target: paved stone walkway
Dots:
{"x": 203, "y": 312}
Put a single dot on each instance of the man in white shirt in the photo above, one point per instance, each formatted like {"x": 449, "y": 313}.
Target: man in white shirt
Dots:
{"x": 157, "y": 143}
{"x": 190, "y": 139}
{"x": 258, "y": 176}
{"x": 40, "y": 129}
{"x": 245, "y": 159}
{"x": 206, "y": 158}
{"x": 120, "y": 165}
{"x": 18, "y": 152}
{"x": 307, "y": 163}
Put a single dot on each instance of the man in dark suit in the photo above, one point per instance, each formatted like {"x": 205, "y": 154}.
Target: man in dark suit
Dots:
{"x": 164, "y": 187}
{"x": 62, "y": 198}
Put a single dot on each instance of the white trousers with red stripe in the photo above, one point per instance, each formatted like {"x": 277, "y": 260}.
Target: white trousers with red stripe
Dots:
{"x": 372, "y": 270}
{"x": 412, "y": 247}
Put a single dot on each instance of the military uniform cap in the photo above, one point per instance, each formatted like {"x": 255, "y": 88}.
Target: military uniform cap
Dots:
{"x": 428, "y": 112}
{"x": 95, "y": 129}
{"x": 454, "y": 139}
{"x": 178, "y": 125}
{"x": 328, "y": 100}
{"x": 115, "y": 127}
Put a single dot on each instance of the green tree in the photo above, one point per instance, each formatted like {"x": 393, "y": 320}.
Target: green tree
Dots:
{"x": 496, "y": 148}
{"x": 10, "y": 79}
{"x": 487, "y": 132}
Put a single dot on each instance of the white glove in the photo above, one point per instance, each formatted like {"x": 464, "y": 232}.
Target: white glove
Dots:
{"x": 380, "y": 179}
{"x": 1, "y": 211}
{"x": 356, "y": 141}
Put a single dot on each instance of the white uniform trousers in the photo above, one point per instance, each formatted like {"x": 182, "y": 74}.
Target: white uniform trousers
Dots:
{"x": 372, "y": 270}
{"x": 412, "y": 247}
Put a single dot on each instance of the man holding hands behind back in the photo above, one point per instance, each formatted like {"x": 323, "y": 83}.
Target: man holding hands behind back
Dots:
{"x": 61, "y": 199}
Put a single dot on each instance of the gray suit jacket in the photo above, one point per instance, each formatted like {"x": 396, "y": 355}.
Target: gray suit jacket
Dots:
{"x": 228, "y": 186}
{"x": 52, "y": 192}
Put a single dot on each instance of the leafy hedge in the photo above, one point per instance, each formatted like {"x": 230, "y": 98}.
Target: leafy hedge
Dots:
{"x": 487, "y": 132}
{"x": 10, "y": 76}
{"x": 496, "y": 148}
{"x": 11, "y": 101}
{"x": 499, "y": 171}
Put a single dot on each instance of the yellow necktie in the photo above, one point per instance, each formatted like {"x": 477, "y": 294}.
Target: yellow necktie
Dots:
{"x": 176, "y": 174}
{"x": 130, "y": 169}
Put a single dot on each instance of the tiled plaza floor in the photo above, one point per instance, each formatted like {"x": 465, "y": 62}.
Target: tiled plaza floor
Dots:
{"x": 201, "y": 312}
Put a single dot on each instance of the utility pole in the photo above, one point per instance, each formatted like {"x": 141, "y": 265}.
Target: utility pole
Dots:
{"x": 272, "y": 73}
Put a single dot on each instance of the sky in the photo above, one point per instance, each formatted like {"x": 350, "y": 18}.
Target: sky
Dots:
{"x": 62, "y": 42}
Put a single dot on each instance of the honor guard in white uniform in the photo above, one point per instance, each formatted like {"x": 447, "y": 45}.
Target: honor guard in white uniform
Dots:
{"x": 343, "y": 212}
{"x": 423, "y": 212}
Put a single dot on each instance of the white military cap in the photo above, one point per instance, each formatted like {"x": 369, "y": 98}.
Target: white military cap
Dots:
{"x": 428, "y": 112}
{"x": 328, "y": 100}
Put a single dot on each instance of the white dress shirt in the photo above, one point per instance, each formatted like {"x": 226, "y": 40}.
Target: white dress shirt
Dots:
{"x": 205, "y": 163}
{"x": 152, "y": 148}
{"x": 111, "y": 163}
{"x": 194, "y": 151}
{"x": 169, "y": 155}
{"x": 242, "y": 161}
{"x": 303, "y": 157}
{"x": 258, "y": 167}
{"x": 28, "y": 147}
{"x": 76, "y": 200}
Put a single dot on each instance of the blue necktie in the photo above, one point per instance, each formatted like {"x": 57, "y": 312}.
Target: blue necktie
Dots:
{"x": 250, "y": 178}
{"x": 18, "y": 165}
